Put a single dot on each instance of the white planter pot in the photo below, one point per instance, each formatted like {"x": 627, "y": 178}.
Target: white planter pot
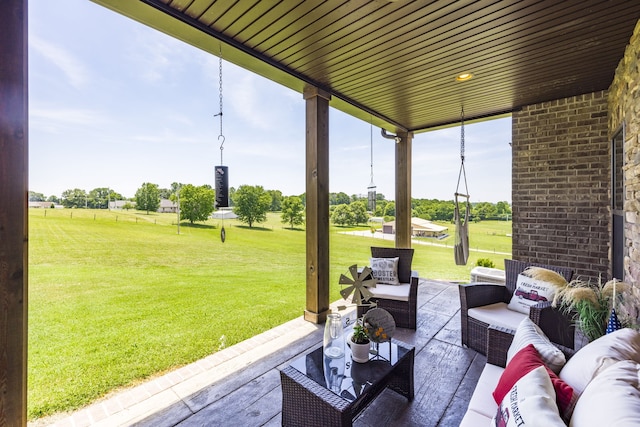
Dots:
{"x": 359, "y": 352}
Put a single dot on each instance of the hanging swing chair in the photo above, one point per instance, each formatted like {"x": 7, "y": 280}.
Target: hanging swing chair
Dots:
{"x": 461, "y": 246}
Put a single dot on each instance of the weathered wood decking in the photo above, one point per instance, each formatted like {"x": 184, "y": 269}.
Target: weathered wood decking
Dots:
{"x": 243, "y": 388}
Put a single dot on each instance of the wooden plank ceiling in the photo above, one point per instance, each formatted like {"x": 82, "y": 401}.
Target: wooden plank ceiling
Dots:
{"x": 397, "y": 60}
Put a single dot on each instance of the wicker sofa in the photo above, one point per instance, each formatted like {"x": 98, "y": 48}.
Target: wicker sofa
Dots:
{"x": 597, "y": 385}
{"x": 399, "y": 300}
{"x": 482, "y": 304}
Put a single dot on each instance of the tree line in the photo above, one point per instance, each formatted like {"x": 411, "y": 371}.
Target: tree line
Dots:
{"x": 251, "y": 204}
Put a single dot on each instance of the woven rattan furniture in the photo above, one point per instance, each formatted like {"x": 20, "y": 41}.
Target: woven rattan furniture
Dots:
{"x": 474, "y": 332}
{"x": 403, "y": 312}
{"x": 307, "y": 399}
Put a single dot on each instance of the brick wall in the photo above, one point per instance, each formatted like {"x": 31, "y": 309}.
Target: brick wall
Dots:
{"x": 560, "y": 184}
{"x": 624, "y": 110}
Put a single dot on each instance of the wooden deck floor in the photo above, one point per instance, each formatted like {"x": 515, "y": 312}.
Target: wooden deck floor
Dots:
{"x": 445, "y": 376}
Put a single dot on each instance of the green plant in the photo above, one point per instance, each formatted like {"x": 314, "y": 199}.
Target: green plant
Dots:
{"x": 485, "y": 262}
{"x": 591, "y": 303}
{"x": 360, "y": 333}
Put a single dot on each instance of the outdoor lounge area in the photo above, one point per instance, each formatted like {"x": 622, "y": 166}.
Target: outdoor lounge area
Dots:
{"x": 241, "y": 384}
{"x": 565, "y": 72}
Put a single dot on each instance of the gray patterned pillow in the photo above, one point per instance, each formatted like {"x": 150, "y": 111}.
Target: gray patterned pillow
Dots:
{"x": 385, "y": 270}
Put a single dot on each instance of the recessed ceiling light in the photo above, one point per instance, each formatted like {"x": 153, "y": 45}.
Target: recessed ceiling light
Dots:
{"x": 463, "y": 77}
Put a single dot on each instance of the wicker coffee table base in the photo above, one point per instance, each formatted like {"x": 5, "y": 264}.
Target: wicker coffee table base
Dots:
{"x": 307, "y": 403}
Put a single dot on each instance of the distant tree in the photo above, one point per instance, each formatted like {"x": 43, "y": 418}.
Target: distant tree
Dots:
{"x": 343, "y": 215}
{"x": 99, "y": 198}
{"x": 276, "y": 200}
{"x": 342, "y": 199}
{"x": 165, "y": 193}
{"x": 36, "y": 197}
{"x": 359, "y": 210}
{"x": 148, "y": 197}
{"x": 484, "y": 210}
{"x": 390, "y": 209}
{"x": 503, "y": 209}
{"x": 292, "y": 211}
{"x": 53, "y": 199}
{"x": 75, "y": 198}
{"x": 127, "y": 206}
{"x": 196, "y": 203}
{"x": 251, "y": 204}
{"x": 232, "y": 191}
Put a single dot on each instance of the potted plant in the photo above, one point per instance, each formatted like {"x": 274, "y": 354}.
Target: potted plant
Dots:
{"x": 360, "y": 343}
{"x": 593, "y": 304}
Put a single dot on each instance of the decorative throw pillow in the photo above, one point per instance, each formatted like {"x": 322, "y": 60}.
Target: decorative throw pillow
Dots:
{"x": 529, "y": 402}
{"x": 611, "y": 399}
{"x": 529, "y": 333}
{"x": 598, "y": 355}
{"x": 385, "y": 270}
{"x": 524, "y": 362}
{"x": 530, "y": 292}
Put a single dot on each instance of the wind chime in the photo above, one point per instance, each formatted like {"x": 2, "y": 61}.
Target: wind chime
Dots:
{"x": 371, "y": 189}
{"x": 221, "y": 171}
{"x": 461, "y": 246}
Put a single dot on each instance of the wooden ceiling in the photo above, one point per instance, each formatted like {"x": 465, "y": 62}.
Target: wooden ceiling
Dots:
{"x": 397, "y": 60}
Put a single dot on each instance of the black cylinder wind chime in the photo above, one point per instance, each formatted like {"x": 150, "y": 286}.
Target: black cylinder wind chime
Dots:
{"x": 221, "y": 172}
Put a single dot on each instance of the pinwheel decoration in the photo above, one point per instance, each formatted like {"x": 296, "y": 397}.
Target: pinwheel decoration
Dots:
{"x": 358, "y": 285}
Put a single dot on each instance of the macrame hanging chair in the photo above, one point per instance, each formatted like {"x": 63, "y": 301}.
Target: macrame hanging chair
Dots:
{"x": 461, "y": 246}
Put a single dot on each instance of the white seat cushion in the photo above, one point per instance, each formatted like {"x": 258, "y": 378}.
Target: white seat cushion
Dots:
{"x": 497, "y": 314}
{"x": 482, "y": 400}
{"x": 393, "y": 292}
{"x": 474, "y": 419}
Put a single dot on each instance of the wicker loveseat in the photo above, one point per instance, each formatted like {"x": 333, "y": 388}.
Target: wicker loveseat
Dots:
{"x": 602, "y": 379}
{"x": 399, "y": 300}
{"x": 482, "y": 304}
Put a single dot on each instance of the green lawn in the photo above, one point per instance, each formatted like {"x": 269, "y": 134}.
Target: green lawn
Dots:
{"x": 116, "y": 297}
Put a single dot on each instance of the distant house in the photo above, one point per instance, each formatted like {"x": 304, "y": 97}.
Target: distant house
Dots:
{"x": 119, "y": 204}
{"x": 167, "y": 206}
{"x": 419, "y": 228}
{"x": 44, "y": 205}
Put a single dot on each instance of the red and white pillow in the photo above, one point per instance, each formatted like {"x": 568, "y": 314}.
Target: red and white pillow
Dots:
{"x": 525, "y": 361}
{"x": 530, "y": 401}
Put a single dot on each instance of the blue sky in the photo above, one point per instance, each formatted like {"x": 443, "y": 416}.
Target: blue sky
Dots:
{"x": 114, "y": 104}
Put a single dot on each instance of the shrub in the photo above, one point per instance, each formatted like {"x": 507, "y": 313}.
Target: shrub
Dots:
{"x": 485, "y": 262}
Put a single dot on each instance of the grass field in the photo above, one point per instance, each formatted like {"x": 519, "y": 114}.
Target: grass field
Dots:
{"x": 117, "y": 297}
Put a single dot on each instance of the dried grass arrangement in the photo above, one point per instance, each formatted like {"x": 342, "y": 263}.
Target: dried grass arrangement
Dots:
{"x": 590, "y": 303}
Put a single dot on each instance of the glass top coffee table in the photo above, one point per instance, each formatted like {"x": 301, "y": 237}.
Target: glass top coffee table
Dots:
{"x": 320, "y": 391}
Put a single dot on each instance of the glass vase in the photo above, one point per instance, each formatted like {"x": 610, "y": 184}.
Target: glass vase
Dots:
{"x": 333, "y": 336}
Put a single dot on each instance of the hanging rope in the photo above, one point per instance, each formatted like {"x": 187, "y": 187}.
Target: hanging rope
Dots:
{"x": 461, "y": 246}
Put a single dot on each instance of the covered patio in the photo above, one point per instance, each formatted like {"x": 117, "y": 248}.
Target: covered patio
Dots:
{"x": 565, "y": 71}
{"x": 241, "y": 384}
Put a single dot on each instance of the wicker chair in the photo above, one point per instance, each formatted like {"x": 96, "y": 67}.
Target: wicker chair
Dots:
{"x": 474, "y": 331}
{"x": 403, "y": 312}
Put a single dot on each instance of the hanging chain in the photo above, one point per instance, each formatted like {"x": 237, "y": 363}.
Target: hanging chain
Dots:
{"x": 462, "y": 135}
{"x": 371, "y": 142}
{"x": 221, "y": 136}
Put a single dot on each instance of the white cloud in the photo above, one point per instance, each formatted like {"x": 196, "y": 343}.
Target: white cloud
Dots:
{"x": 56, "y": 119}
{"x": 72, "y": 67}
